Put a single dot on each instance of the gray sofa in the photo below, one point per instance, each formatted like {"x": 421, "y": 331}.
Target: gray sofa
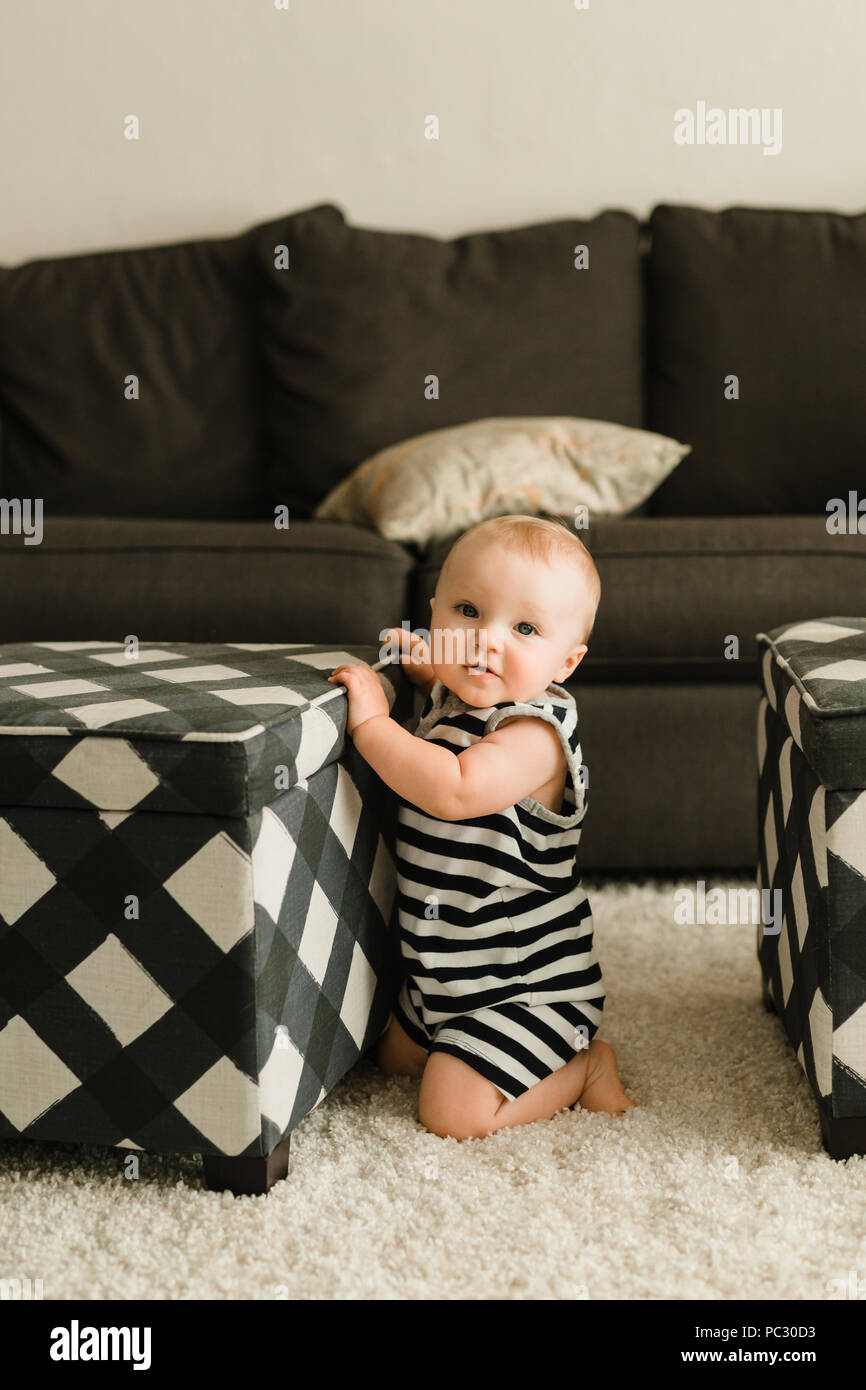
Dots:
{"x": 164, "y": 401}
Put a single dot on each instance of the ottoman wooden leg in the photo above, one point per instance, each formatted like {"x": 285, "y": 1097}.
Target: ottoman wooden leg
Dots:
{"x": 247, "y": 1177}
{"x": 767, "y": 999}
{"x": 844, "y": 1137}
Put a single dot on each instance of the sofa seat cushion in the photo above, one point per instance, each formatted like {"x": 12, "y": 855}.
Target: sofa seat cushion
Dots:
{"x": 676, "y": 589}
{"x": 359, "y": 322}
{"x": 202, "y": 581}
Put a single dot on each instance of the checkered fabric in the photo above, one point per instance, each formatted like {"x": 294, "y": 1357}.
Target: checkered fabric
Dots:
{"x": 812, "y": 846}
{"x": 179, "y": 727}
{"x": 190, "y": 958}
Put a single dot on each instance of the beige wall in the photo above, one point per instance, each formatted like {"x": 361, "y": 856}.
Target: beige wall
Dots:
{"x": 545, "y": 110}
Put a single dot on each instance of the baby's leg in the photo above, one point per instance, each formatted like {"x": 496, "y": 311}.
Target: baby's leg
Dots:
{"x": 397, "y": 1054}
{"x": 457, "y": 1101}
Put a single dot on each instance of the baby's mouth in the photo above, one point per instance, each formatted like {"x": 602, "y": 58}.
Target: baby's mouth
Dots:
{"x": 480, "y": 672}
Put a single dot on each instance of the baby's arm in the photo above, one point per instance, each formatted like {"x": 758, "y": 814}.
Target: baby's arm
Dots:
{"x": 500, "y": 769}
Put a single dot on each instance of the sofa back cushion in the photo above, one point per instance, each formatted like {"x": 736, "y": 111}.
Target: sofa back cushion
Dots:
{"x": 373, "y": 337}
{"x": 75, "y": 330}
{"x": 776, "y": 299}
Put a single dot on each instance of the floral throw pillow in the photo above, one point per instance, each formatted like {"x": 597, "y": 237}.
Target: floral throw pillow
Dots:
{"x": 433, "y": 485}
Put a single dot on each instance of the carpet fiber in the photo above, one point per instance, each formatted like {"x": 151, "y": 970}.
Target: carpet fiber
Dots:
{"x": 716, "y": 1186}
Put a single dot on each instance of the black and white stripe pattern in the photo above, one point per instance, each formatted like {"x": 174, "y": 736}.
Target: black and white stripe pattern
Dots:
{"x": 494, "y": 922}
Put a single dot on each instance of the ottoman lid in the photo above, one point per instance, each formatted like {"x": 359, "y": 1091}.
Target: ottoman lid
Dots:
{"x": 813, "y": 673}
{"x": 205, "y": 728}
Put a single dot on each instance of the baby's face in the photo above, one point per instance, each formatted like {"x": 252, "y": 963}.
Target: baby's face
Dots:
{"x": 512, "y": 614}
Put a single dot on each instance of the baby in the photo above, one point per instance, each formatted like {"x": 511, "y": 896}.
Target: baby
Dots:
{"x": 503, "y": 995}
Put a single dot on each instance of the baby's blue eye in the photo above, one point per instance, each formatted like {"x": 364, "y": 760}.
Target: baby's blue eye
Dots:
{"x": 459, "y": 606}
{"x": 529, "y": 625}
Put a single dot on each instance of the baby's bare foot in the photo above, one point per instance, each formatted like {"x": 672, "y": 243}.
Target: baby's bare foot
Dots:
{"x": 603, "y": 1088}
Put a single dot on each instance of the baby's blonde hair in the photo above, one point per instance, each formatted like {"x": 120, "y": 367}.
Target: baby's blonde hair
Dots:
{"x": 544, "y": 540}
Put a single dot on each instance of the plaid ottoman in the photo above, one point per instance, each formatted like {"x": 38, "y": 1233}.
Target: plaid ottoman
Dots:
{"x": 812, "y": 847}
{"x": 196, "y": 894}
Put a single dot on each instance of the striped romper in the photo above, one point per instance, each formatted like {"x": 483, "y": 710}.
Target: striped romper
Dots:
{"x": 495, "y": 927}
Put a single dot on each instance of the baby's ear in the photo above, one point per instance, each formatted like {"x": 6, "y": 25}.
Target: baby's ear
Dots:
{"x": 570, "y": 665}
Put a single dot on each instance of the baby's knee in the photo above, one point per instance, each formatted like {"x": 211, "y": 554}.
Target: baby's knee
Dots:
{"x": 454, "y": 1101}
{"x": 452, "y": 1121}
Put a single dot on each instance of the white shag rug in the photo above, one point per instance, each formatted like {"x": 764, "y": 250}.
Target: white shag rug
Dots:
{"x": 715, "y": 1187}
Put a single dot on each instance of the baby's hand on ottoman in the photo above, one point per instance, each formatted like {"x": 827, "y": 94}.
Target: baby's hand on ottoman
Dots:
{"x": 366, "y": 696}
